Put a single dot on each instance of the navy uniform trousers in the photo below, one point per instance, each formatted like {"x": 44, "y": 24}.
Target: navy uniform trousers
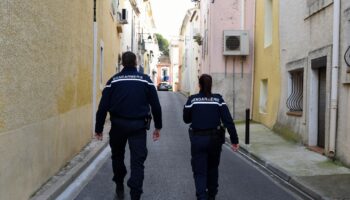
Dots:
{"x": 205, "y": 152}
{"x": 138, "y": 155}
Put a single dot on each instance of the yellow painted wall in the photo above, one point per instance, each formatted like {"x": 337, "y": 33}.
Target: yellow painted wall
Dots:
{"x": 108, "y": 35}
{"x": 46, "y": 51}
{"x": 267, "y": 66}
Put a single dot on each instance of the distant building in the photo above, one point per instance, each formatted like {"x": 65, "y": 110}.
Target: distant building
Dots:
{"x": 164, "y": 70}
{"x": 190, "y": 52}
{"x": 174, "y": 60}
{"x": 139, "y": 35}
{"x": 206, "y": 49}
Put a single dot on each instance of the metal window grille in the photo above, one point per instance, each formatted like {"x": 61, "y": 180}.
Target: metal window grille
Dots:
{"x": 295, "y": 99}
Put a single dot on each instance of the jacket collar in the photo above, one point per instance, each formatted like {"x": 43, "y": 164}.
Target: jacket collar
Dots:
{"x": 129, "y": 69}
{"x": 202, "y": 94}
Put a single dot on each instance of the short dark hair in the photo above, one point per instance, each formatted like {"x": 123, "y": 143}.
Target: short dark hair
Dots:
{"x": 129, "y": 59}
{"x": 205, "y": 82}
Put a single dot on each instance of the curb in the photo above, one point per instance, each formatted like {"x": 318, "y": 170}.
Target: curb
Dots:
{"x": 299, "y": 186}
{"x": 59, "y": 182}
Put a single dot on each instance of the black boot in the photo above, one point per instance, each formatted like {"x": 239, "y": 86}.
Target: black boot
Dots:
{"x": 119, "y": 190}
{"x": 211, "y": 197}
{"x": 136, "y": 197}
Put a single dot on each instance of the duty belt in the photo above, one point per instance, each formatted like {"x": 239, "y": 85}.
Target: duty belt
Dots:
{"x": 128, "y": 118}
{"x": 204, "y": 132}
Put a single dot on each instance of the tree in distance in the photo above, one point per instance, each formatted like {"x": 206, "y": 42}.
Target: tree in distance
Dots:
{"x": 163, "y": 44}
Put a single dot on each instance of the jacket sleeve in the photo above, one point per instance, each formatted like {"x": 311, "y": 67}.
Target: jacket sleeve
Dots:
{"x": 156, "y": 109}
{"x": 103, "y": 108}
{"x": 187, "y": 112}
{"x": 227, "y": 120}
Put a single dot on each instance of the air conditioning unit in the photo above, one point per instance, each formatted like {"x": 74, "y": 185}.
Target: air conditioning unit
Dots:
{"x": 236, "y": 43}
{"x": 123, "y": 16}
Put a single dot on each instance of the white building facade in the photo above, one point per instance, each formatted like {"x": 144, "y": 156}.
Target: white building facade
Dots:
{"x": 190, "y": 52}
{"x": 315, "y": 103}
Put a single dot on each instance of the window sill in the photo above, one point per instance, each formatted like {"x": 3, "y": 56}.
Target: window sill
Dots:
{"x": 316, "y": 149}
{"x": 295, "y": 114}
{"x": 267, "y": 46}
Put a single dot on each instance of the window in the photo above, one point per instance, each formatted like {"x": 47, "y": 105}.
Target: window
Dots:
{"x": 101, "y": 65}
{"x": 295, "y": 88}
{"x": 114, "y": 7}
{"x": 206, "y": 42}
{"x": 186, "y": 58}
{"x": 165, "y": 74}
{"x": 263, "y": 96}
{"x": 268, "y": 22}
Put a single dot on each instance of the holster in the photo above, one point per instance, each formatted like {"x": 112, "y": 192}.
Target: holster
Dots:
{"x": 221, "y": 132}
{"x": 148, "y": 122}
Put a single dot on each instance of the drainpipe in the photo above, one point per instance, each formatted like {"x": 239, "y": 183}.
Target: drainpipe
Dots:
{"x": 209, "y": 35}
{"x": 334, "y": 83}
{"x": 94, "y": 71}
{"x": 252, "y": 66}
{"x": 242, "y": 13}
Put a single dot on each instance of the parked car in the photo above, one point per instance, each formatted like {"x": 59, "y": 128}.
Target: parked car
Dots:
{"x": 164, "y": 86}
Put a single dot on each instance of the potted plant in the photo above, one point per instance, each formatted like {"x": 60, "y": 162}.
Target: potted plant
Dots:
{"x": 198, "y": 38}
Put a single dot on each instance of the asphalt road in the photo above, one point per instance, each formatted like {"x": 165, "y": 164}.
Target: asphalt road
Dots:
{"x": 168, "y": 173}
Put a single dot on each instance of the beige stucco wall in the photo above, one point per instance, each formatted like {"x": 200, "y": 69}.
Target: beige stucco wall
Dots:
{"x": 110, "y": 39}
{"x": 31, "y": 154}
{"x": 46, "y": 52}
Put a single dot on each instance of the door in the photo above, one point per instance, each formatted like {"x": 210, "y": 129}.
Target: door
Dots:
{"x": 321, "y": 107}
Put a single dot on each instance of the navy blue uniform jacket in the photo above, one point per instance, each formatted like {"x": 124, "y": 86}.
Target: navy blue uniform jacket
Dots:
{"x": 207, "y": 113}
{"x": 129, "y": 95}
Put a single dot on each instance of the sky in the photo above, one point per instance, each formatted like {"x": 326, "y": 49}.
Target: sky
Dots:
{"x": 168, "y": 15}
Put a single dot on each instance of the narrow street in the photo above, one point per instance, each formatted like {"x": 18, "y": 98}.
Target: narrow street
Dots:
{"x": 283, "y": 66}
{"x": 168, "y": 173}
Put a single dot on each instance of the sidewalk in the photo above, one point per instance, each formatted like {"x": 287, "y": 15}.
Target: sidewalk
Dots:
{"x": 58, "y": 183}
{"x": 308, "y": 171}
